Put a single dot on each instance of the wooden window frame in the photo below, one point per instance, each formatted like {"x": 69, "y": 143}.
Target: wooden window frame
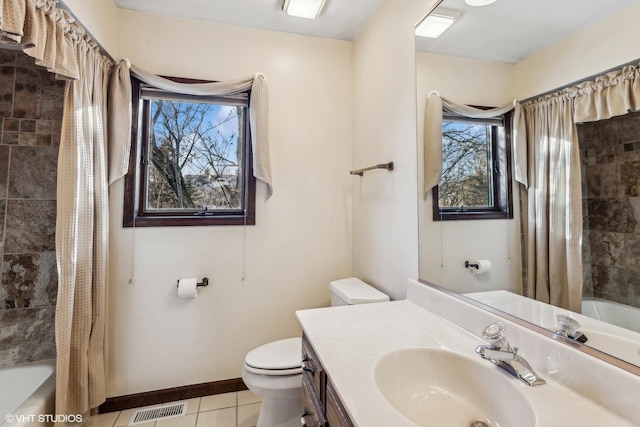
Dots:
{"x": 502, "y": 186}
{"x": 135, "y": 216}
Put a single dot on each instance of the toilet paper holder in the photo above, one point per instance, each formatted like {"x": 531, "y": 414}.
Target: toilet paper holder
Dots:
{"x": 205, "y": 282}
{"x": 467, "y": 264}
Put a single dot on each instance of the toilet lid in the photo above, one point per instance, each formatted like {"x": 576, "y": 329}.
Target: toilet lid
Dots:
{"x": 281, "y": 354}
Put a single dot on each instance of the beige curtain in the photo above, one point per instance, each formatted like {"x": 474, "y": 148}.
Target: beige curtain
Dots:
{"x": 433, "y": 131}
{"x": 44, "y": 32}
{"x": 553, "y": 204}
{"x": 612, "y": 94}
{"x": 81, "y": 239}
{"x": 86, "y": 164}
{"x": 258, "y": 111}
{"x": 554, "y": 225}
{"x": 95, "y": 107}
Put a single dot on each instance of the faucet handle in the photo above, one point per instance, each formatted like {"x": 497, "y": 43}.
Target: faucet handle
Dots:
{"x": 494, "y": 334}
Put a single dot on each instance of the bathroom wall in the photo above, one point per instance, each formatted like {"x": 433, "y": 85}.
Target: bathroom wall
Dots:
{"x": 302, "y": 237}
{"x": 445, "y": 245}
{"x": 385, "y": 225}
{"x": 388, "y": 126}
{"x": 100, "y": 18}
{"x": 31, "y": 113}
{"x": 609, "y": 151}
{"x": 589, "y": 52}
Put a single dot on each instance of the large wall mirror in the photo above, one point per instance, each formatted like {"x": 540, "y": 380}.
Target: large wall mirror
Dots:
{"x": 511, "y": 49}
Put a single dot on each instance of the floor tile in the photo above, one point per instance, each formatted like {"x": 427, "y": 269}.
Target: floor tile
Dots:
{"x": 237, "y": 409}
{"x": 218, "y": 401}
{"x": 183, "y": 421}
{"x": 218, "y": 418}
{"x": 246, "y": 397}
{"x": 248, "y": 414}
{"x": 103, "y": 420}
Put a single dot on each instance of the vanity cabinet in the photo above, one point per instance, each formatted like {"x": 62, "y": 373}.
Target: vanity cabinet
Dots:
{"x": 336, "y": 413}
{"x": 321, "y": 404}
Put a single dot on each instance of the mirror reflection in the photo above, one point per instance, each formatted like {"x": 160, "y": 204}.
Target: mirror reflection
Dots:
{"x": 569, "y": 258}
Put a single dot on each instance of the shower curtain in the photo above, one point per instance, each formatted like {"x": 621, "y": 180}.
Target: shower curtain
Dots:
{"x": 550, "y": 151}
{"x": 87, "y": 162}
{"x": 554, "y": 200}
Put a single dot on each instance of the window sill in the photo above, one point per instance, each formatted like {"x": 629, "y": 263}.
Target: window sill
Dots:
{"x": 191, "y": 220}
{"x": 470, "y": 215}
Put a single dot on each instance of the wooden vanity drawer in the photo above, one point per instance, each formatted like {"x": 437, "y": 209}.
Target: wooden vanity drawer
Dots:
{"x": 312, "y": 411}
{"x": 322, "y": 406}
{"x": 313, "y": 369}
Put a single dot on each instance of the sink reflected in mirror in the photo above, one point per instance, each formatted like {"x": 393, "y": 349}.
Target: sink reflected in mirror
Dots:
{"x": 615, "y": 345}
{"x": 620, "y": 347}
{"x": 431, "y": 387}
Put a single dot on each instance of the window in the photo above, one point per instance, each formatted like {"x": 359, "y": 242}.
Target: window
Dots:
{"x": 190, "y": 160}
{"x": 476, "y": 169}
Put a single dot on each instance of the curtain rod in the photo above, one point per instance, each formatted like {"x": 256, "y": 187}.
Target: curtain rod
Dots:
{"x": 585, "y": 79}
{"x": 66, "y": 8}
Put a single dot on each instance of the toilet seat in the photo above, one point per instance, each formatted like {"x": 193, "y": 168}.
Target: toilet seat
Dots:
{"x": 282, "y": 357}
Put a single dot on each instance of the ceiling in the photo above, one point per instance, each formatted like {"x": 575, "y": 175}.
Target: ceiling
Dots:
{"x": 512, "y": 30}
{"x": 340, "y": 19}
{"x": 505, "y": 31}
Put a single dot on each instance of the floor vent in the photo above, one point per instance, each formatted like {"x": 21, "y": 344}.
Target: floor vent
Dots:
{"x": 159, "y": 413}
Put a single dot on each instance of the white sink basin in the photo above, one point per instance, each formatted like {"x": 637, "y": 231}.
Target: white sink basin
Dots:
{"x": 434, "y": 387}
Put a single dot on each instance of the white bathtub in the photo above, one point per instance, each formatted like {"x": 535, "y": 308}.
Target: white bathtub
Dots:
{"x": 621, "y": 315}
{"x": 26, "y": 393}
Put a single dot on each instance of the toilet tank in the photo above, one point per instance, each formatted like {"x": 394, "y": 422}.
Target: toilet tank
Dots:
{"x": 354, "y": 291}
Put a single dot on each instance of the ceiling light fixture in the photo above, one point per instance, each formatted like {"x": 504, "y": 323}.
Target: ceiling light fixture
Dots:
{"x": 436, "y": 23}
{"x": 309, "y": 9}
{"x": 479, "y": 2}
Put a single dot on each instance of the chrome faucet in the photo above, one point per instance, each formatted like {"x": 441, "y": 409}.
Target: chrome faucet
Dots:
{"x": 500, "y": 352}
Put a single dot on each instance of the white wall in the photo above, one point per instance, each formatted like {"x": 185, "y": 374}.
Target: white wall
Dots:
{"x": 302, "y": 236}
{"x": 100, "y": 17}
{"x": 385, "y": 226}
{"x": 606, "y": 45}
{"x": 445, "y": 245}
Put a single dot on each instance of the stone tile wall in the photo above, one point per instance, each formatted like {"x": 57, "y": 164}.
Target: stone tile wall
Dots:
{"x": 610, "y": 154}
{"x": 31, "y": 103}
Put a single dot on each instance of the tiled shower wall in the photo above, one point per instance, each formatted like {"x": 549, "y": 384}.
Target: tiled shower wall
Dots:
{"x": 31, "y": 103}
{"x": 610, "y": 154}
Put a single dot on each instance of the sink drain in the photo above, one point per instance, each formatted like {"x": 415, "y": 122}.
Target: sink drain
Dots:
{"x": 479, "y": 424}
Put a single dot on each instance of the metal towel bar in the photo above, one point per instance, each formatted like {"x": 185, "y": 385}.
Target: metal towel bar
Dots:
{"x": 387, "y": 166}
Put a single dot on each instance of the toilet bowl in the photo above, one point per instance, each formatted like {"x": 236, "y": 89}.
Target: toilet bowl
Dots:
{"x": 274, "y": 370}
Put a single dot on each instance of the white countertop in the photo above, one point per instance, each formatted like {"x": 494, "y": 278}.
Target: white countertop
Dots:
{"x": 349, "y": 340}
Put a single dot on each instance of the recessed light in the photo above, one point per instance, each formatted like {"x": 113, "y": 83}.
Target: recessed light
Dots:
{"x": 479, "y": 2}
{"x": 309, "y": 9}
{"x": 436, "y": 23}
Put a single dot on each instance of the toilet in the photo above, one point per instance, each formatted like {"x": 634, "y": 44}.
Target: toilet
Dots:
{"x": 274, "y": 370}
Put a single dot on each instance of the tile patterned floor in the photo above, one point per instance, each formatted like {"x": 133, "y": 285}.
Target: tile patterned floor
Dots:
{"x": 238, "y": 409}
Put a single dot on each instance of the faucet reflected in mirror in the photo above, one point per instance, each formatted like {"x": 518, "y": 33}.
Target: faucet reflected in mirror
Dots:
{"x": 610, "y": 169}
